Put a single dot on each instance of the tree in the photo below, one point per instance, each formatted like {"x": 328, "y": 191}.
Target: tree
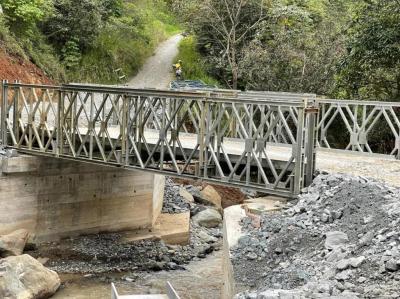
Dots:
{"x": 224, "y": 27}
{"x": 23, "y": 15}
{"x": 296, "y": 48}
{"x": 370, "y": 67}
{"x": 77, "y": 20}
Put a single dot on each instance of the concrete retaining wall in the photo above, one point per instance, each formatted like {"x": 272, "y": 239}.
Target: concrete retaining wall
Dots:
{"x": 55, "y": 198}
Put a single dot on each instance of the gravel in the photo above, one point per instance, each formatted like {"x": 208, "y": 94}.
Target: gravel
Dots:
{"x": 341, "y": 238}
{"x": 173, "y": 202}
{"x": 103, "y": 253}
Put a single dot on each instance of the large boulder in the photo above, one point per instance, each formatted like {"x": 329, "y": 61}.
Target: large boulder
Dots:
{"x": 208, "y": 218}
{"x": 186, "y": 195}
{"x": 211, "y": 196}
{"x": 23, "y": 277}
{"x": 14, "y": 243}
{"x": 208, "y": 196}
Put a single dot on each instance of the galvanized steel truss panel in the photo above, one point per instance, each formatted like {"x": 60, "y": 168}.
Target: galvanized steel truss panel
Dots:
{"x": 360, "y": 119}
{"x": 185, "y": 134}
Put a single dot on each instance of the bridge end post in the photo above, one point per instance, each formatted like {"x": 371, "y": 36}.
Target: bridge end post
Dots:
{"x": 4, "y": 100}
{"x": 310, "y": 146}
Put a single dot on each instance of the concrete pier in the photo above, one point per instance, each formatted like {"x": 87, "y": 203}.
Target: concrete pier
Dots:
{"x": 55, "y": 198}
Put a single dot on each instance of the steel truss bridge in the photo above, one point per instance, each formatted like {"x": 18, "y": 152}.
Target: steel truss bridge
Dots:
{"x": 265, "y": 141}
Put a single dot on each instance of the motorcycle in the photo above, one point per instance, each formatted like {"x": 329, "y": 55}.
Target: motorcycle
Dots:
{"x": 178, "y": 73}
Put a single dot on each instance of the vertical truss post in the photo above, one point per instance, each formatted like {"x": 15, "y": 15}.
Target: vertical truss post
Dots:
{"x": 355, "y": 131}
{"x": 201, "y": 136}
{"x": 249, "y": 144}
{"x": 163, "y": 132}
{"x": 74, "y": 120}
{"x": 43, "y": 117}
{"x": 16, "y": 113}
{"x": 124, "y": 130}
{"x": 174, "y": 132}
{"x": 59, "y": 128}
{"x": 30, "y": 118}
{"x": 91, "y": 124}
{"x": 298, "y": 154}
{"x": 4, "y": 104}
{"x": 363, "y": 126}
{"x": 322, "y": 135}
{"x": 208, "y": 139}
{"x": 139, "y": 126}
{"x": 310, "y": 152}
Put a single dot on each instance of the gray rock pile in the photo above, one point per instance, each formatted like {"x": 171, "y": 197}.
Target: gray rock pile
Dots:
{"x": 341, "y": 240}
{"x": 103, "y": 253}
{"x": 179, "y": 199}
{"x": 174, "y": 202}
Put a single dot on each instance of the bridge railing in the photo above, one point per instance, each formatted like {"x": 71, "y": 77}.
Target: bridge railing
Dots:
{"x": 365, "y": 126}
{"x": 216, "y": 138}
{"x": 370, "y": 127}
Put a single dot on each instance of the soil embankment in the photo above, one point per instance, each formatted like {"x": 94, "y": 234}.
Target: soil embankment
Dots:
{"x": 16, "y": 68}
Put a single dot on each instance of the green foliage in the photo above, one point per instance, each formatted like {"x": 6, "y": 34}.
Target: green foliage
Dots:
{"x": 194, "y": 66}
{"x": 71, "y": 54}
{"x": 371, "y": 66}
{"x": 125, "y": 42}
{"x": 296, "y": 49}
{"x": 78, "y": 20}
{"x": 87, "y": 39}
{"x": 24, "y": 14}
{"x": 6, "y": 38}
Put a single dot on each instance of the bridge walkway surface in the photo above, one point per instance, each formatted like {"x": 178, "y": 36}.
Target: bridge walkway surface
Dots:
{"x": 265, "y": 141}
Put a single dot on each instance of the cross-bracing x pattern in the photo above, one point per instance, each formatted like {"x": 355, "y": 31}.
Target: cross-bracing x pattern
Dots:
{"x": 254, "y": 125}
{"x": 194, "y": 135}
{"x": 31, "y": 117}
{"x": 230, "y": 141}
{"x": 363, "y": 122}
{"x": 93, "y": 125}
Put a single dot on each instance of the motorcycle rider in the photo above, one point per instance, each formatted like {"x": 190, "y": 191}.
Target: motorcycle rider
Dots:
{"x": 178, "y": 69}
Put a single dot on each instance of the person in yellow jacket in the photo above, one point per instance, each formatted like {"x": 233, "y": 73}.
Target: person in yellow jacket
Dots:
{"x": 178, "y": 69}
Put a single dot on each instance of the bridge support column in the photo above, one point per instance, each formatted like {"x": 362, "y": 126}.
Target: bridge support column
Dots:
{"x": 56, "y": 198}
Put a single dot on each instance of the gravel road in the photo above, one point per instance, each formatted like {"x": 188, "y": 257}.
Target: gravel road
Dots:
{"x": 157, "y": 71}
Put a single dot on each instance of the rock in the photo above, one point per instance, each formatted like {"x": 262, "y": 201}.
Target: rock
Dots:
{"x": 335, "y": 239}
{"x": 251, "y": 256}
{"x": 343, "y": 264}
{"x": 186, "y": 195}
{"x": 361, "y": 279}
{"x": 209, "y": 196}
{"x": 206, "y": 237}
{"x": 344, "y": 275}
{"x": 355, "y": 262}
{"x": 366, "y": 239}
{"x": 14, "y": 243}
{"x": 23, "y": 277}
{"x": 208, "y": 218}
{"x": 391, "y": 265}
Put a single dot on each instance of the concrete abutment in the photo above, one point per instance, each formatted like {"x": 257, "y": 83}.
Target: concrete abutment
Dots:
{"x": 56, "y": 198}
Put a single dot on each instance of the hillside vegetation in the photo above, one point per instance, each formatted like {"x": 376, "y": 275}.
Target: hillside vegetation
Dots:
{"x": 338, "y": 48}
{"x": 85, "y": 40}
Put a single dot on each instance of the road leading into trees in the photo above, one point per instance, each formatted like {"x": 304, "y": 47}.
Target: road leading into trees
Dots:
{"x": 156, "y": 72}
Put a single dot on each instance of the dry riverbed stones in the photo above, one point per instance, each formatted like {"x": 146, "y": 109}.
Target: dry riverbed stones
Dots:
{"x": 341, "y": 239}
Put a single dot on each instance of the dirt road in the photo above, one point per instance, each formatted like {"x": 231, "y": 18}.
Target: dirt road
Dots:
{"x": 157, "y": 71}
